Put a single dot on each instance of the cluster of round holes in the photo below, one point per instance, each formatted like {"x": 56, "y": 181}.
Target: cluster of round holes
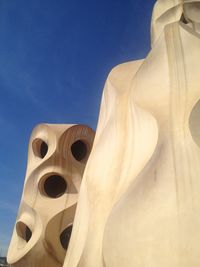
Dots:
{"x": 54, "y": 186}
{"x": 79, "y": 150}
{"x": 40, "y": 148}
{"x": 65, "y": 237}
{"x": 23, "y": 231}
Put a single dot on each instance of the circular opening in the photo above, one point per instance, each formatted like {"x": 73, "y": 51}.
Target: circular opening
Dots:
{"x": 65, "y": 237}
{"x": 43, "y": 149}
{"x": 55, "y": 186}
{"x": 79, "y": 150}
{"x": 23, "y": 231}
{"x": 40, "y": 148}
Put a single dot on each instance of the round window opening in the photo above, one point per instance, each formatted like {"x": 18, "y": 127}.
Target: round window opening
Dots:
{"x": 40, "y": 148}
{"x": 23, "y": 231}
{"x": 79, "y": 150}
{"x": 54, "y": 186}
{"x": 65, "y": 237}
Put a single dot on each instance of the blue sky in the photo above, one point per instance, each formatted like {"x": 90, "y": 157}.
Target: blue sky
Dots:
{"x": 54, "y": 59}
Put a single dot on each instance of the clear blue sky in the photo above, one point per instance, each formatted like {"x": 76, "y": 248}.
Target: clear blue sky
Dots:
{"x": 54, "y": 59}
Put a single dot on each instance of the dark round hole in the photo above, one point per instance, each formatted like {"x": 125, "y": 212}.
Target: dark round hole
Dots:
{"x": 55, "y": 186}
{"x": 43, "y": 149}
{"x": 65, "y": 237}
{"x": 23, "y": 231}
{"x": 28, "y": 234}
{"x": 40, "y": 148}
{"x": 79, "y": 150}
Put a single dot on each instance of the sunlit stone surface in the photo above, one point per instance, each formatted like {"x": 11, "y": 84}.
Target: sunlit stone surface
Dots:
{"x": 139, "y": 199}
{"x": 56, "y": 161}
{"x": 141, "y": 189}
